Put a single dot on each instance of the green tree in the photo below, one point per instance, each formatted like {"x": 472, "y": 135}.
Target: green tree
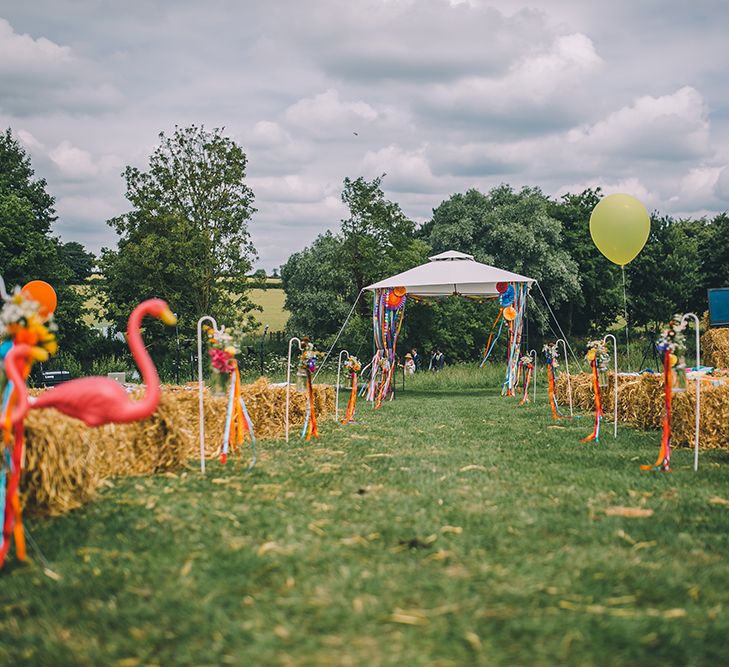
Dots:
{"x": 186, "y": 238}
{"x": 78, "y": 260}
{"x": 27, "y": 249}
{"x": 600, "y": 299}
{"x": 714, "y": 252}
{"x": 323, "y": 280}
{"x": 511, "y": 230}
{"x": 665, "y": 278}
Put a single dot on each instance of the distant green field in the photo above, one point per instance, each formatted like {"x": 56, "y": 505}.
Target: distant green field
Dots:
{"x": 272, "y": 302}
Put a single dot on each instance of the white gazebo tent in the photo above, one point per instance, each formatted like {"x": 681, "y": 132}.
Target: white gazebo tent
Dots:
{"x": 449, "y": 273}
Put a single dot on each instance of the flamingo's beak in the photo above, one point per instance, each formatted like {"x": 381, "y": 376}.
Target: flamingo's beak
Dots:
{"x": 168, "y": 317}
{"x": 38, "y": 354}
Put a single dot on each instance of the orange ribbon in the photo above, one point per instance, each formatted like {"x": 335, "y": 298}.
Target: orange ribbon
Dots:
{"x": 598, "y": 404}
{"x": 663, "y": 462}
{"x": 312, "y": 429}
{"x": 552, "y": 396}
{"x": 349, "y": 413}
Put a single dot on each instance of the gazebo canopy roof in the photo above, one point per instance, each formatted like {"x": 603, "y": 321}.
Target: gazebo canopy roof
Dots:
{"x": 451, "y": 272}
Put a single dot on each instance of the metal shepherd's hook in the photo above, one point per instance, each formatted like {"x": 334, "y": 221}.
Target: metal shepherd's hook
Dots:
{"x": 698, "y": 384}
{"x": 339, "y": 370}
{"x": 200, "y": 385}
{"x": 533, "y": 354}
{"x": 615, "y": 381}
{"x": 288, "y": 381}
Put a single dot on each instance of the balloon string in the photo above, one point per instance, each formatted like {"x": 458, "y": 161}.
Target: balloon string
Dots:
{"x": 625, "y": 307}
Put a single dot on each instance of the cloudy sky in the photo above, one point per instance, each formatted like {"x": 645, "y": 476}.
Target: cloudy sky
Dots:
{"x": 441, "y": 96}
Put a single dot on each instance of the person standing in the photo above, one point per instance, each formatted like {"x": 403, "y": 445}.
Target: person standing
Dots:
{"x": 409, "y": 364}
{"x": 417, "y": 359}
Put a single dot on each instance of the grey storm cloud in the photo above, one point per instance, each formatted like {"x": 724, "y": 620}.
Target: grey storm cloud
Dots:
{"x": 441, "y": 96}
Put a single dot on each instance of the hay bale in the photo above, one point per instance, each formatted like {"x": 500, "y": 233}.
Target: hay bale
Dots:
{"x": 582, "y": 394}
{"x": 715, "y": 348}
{"x": 66, "y": 461}
{"x": 714, "y": 418}
{"x": 640, "y": 398}
{"x": 641, "y": 404}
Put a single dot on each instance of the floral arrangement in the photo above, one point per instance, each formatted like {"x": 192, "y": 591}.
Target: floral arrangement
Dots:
{"x": 673, "y": 339}
{"x": 525, "y": 360}
{"x": 597, "y": 351}
{"x": 307, "y": 361}
{"x": 353, "y": 365}
{"x": 551, "y": 353}
{"x": 21, "y": 322}
{"x": 222, "y": 350}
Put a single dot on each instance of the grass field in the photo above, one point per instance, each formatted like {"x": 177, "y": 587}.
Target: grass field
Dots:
{"x": 272, "y": 302}
{"x": 451, "y": 527}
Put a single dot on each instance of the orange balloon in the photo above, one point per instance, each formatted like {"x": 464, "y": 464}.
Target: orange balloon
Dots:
{"x": 42, "y": 293}
{"x": 510, "y": 314}
{"x": 399, "y": 291}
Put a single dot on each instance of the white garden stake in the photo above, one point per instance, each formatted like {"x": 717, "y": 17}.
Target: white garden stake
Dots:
{"x": 698, "y": 384}
{"x": 533, "y": 354}
{"x": 567, "y": 370}
{"x": 339, "y": 370}
{"x": 615, "y": 381}
{"x": 288, "y": 382}
{"x": 200, "y": 385}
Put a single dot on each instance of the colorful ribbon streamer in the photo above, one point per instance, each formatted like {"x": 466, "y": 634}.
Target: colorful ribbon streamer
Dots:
{"x": 388, "y": 312}
{"x": 13, "y": 443}
{"x": 595, "y": 435}
{"x": 311, "y": 429}
{"x": 491, "y": 342}
{"x": 516, "y": 326}
{"x": 556, "y": 414}
{"x": 352, "y": 403}
{"x": 663, "y": 462}
{"x": 237, "y": 419}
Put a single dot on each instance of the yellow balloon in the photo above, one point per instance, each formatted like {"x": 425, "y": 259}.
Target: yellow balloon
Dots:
{"x": 619, "y": 226}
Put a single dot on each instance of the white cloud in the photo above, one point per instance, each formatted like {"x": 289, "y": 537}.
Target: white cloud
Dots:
{"x": 550, "y": 78}
{"x": 696, "y": 189}
{"x": 407, "y": 171}
{"x": 325, "y": 114}
{"x": 629, "y": 186}
{"x": 442, "y": 98}
{"x": 721, "y": 187}
{"x": 38, "y": 75}
{"x": 23, "y": 55}
{"x": 288, "y": 188}
{"x": 73, "y": 162}
{"x": 669, "y": 127}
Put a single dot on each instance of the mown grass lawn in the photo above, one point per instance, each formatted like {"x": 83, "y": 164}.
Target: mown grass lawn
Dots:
{"x": 451, "y": 527}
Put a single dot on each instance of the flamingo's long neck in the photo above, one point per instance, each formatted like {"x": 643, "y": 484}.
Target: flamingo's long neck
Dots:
{"x": 16, "y": 357}
{"x": 146, "y": 405}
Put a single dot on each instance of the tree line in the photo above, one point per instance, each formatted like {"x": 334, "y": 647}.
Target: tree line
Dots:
{"x": 185, "y": 238}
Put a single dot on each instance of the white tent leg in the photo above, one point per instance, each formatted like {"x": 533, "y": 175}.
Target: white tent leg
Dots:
{"x": 288, "y": 382}
{"x": 336, "y": 395}
{"x": 698, "y": 385}
{"x": 567, "y": 369}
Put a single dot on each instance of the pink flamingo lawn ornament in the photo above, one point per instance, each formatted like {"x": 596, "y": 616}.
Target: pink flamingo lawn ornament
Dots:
{"x": 100, "y": 400}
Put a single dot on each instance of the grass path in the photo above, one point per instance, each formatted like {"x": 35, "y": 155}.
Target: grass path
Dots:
{"x": 448, "y": 528}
